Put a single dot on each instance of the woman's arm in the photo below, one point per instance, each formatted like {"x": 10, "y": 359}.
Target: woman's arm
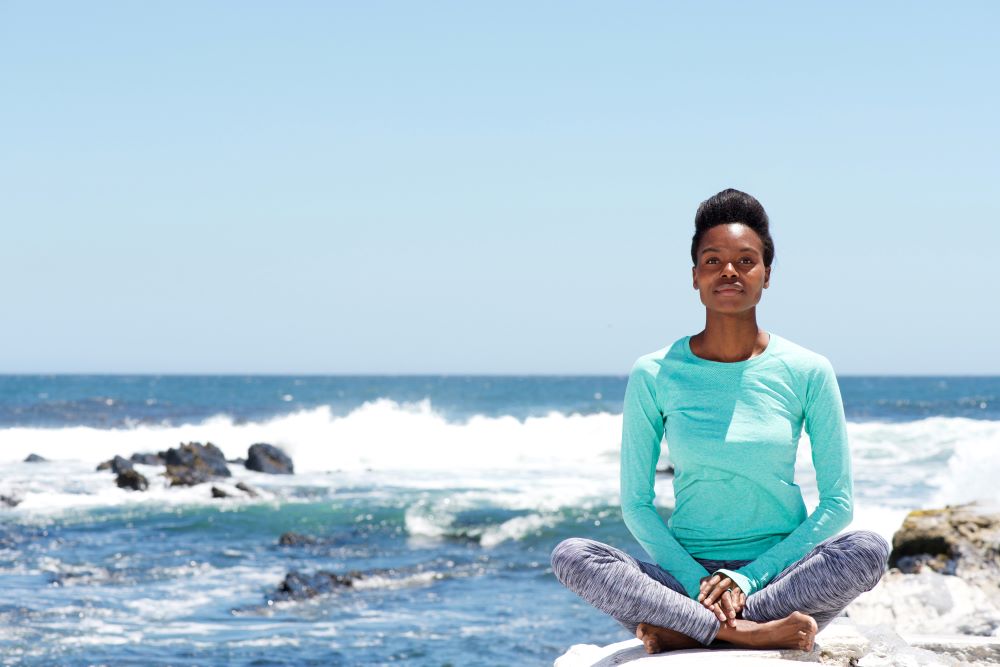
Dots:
{"x": 642, "y": 431}
{"x": 827, "y": 428}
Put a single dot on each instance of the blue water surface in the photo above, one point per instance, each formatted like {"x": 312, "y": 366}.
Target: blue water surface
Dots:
{"x": 123, "y": 400}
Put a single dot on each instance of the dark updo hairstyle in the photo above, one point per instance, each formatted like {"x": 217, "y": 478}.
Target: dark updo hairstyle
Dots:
{"x": 732, "y": 206}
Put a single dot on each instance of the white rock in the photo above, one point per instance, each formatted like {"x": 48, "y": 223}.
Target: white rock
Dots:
{"x": 928, "y": 603}
{"x": 843, "y": 643}
{"x": 970, "y": 650}
{"x": 631, "y": 652}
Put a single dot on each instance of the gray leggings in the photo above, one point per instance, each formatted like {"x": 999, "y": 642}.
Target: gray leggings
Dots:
{"x": 821, "y": 584}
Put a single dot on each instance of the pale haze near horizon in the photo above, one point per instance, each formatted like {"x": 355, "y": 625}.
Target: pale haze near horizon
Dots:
{"x": 508, "y": 188}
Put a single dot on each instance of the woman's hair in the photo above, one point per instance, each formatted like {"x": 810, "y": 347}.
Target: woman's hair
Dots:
{"x": 732, "y": 206}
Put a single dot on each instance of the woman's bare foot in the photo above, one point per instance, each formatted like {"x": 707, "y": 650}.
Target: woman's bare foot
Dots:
{"x": 657, "y": 640}
{"x": 797, "y": 631}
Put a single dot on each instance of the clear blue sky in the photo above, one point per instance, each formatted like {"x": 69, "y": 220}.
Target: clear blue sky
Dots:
{"x": 404, "y": 187}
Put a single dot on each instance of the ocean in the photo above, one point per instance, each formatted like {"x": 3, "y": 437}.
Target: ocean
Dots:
{"x": 439, "y": 497}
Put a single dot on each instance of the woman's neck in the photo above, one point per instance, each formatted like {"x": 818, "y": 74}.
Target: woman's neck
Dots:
{"x": 727, "y": 338}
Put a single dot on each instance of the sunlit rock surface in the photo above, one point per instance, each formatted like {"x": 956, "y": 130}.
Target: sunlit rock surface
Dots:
{"x": 843, "y": 642}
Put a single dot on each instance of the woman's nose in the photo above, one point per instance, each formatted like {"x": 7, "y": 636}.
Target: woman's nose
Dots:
{"x": 729, "y": 269}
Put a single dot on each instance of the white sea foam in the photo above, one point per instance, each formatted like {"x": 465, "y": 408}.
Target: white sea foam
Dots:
{"x": 188, "y": 590}
{"x": 379, "y": 581}
{"x": 539, "y": 465}
{"x": 381, "y": 434}
{"x": 517, "y": 528}
{"x": 266, "y": 642}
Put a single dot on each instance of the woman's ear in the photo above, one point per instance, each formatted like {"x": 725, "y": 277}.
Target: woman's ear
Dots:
{"x": 694, "y": 276}
{"x": 767, "y": 276}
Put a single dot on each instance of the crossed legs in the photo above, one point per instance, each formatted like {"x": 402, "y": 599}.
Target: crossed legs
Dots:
{"x": 818, "y": 586}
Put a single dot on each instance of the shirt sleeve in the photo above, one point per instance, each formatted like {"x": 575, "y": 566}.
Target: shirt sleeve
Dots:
{"x": 827, "y": 428}
{"x": 642, "y": 431}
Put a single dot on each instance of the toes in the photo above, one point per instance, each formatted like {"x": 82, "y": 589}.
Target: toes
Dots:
{"x": 809, "y": 619}
{"x": 806, "y": 620}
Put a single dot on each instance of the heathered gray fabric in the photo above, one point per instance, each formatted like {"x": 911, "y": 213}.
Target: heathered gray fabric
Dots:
{"x": 821, "y": 584}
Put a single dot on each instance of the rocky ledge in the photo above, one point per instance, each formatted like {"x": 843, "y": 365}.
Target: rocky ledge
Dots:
{"x": 937, "y": 605}
{"x": 843, "y": 643}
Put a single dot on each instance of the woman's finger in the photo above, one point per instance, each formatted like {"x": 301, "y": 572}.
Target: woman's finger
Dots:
{"x": 741, "y": 602}
{"x": 718, "y": 590}
{"x": 702, "y": 588}
{"x": 728, "y": 608}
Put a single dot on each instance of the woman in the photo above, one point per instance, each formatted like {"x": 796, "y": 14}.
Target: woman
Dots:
{"x": 738, "y": 561}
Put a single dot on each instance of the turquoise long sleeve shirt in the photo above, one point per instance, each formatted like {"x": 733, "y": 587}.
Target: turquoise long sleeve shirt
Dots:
{"x": 732, "y": 431}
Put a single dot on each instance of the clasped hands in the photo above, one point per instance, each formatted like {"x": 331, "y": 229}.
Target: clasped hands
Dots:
{"x": 723, "y": 597}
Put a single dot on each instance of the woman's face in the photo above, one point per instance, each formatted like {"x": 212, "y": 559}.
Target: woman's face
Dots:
{"x": 730, "y": 273}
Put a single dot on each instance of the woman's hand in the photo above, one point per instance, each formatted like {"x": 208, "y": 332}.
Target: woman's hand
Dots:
{"x": 723, "y": 597}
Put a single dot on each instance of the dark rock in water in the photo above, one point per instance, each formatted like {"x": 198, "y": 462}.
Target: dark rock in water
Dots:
{"x": 130, "y": 479}
{"x": 296, "y": 540}
{"x": 117, "y": 465}
{"x": 962, "y": 540}
{"x": 247, "y": 489}
{"x": 147, "y": 459}
{"x": 9, "y": 501}
{"x": 238, "y": 461}
{"x": 194, "y": 454}
{"x": 195, "y": 463}
{"x": 300, "y": 586}
{"x": 35, "y": 458}
{"x": 268, "y": 458}
{"x": 219, "y": 493}
{"x": 669, "y": 470}
{"x": 120, "y": 464}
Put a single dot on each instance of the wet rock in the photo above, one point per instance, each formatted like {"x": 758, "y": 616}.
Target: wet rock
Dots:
{"x": 268, "y": 458}
{"x": 219, "y": 493}
{"x": 238, "y": 461}
{"x": 247, "y": 489}
{"x": 35, "y": 458}
{"x": 195, "y": 463}
{"x": 130, "y": 479}
{"x": 116, "y": 465}
{"x": 961, "y": 540}
{"x": 301, "y": 586}
{"x": 147, "y": 459}
{"x": 668, "y": 470}
{"x": 9, "y": 501}
{"x": 291, "y": 539}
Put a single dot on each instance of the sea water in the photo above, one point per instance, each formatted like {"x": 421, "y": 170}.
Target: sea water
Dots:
{"x": 444, "y": 495}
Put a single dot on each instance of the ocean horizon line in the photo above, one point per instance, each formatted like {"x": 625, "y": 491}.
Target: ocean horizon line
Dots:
{"x": 477, "y": 375}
